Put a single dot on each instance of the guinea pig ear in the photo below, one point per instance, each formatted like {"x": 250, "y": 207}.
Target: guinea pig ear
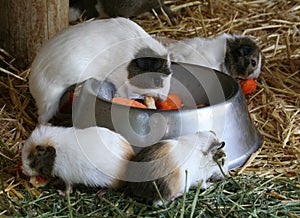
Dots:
{"x": 214, "y": 147}
{"x": 149, "y": 63}
{"x": 213, "y": 132}
{"x": 221, "y": 145}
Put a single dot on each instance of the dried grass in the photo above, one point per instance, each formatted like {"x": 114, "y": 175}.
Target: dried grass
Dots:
{"x": 272, "y": 174}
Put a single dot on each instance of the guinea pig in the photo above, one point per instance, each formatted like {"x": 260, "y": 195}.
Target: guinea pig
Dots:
{"x": 115, "y": 8}
{"x": 93, "y": 156}
{"x": 132, "y": 8}
{"x": 168, "y": 161}
{"x": 117, "y": 50}
{"x": 238, "y": 56}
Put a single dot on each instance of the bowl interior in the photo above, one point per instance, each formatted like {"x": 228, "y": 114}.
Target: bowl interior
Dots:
{"x": 226, "y": 114}
{"x": 205, "y": 87}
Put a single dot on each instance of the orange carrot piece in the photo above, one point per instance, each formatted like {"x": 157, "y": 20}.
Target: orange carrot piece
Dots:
{"x": 248, "y": 86}
{"x": 128, "y": 102}
{"x": 173, "y": 102}
{"x": 38, "y": 181}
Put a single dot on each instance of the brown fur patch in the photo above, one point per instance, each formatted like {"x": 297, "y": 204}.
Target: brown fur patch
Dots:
{"x": 42, "y": 159}
{"x": 168, "y": 185}
{"x": 117, "y": 184}
{"x": 174, "y": 183}
{"x": 129, "y": 154}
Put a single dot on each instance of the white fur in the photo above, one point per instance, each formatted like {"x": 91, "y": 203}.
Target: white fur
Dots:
{"x": 93, "y": 156}
{"x": 256, "y": 72}
{"x": 95, "y": 49}
{"x": 199, "y": 165}
{"x": 209, "y": 52}
{"x": 189, "y": 152}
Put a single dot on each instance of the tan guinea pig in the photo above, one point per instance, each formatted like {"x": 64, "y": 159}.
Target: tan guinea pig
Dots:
{"x": 168, "y": 162}
{"x": 93, "y": 156}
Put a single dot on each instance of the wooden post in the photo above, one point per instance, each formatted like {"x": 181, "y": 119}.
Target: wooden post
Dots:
{"x": 26, "y": 24}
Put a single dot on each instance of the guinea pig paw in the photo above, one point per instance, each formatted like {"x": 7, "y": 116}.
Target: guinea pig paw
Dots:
{"x": 179, "y": 194}
{"x": 206, "y": 185}
{"x": 159, "y": 203}
{"x": 68, "y": 189}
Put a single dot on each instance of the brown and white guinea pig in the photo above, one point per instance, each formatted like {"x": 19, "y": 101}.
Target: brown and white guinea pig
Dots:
{"x": 167, "y": 161}
{"x": 238, "y": 56}
{"x": 114, "y": 8}
{"x": 116, "y": 50}
{"x": 93, "y": 156}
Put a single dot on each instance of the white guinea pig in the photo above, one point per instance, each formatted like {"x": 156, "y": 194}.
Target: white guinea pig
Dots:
{"x": 93, "y": 156}
{"x": 117, "y": 50}
{"x": 238, "y": 56}
{"x": 168, "y": 162}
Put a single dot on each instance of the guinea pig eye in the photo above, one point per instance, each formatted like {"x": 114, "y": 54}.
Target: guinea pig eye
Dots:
{"x": 253, "y": 63}
{"x": 33, "y": 164}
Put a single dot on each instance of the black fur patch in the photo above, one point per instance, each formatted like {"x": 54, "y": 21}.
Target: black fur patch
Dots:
{"x": 214, "y": 147}
{"x": 148, "y": 70}
{"x": 146, "y": 60}
{"x": 42, "y": 159}
{"x": 241, "y": 57}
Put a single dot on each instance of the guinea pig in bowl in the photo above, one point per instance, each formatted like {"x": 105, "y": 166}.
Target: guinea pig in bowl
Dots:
{"x": 225, "y": 113}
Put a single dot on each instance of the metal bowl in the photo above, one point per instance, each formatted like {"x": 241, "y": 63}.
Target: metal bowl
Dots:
{"x": 227, "y": 114}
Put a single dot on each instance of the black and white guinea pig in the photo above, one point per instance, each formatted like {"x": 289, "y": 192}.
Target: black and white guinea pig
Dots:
{"x": 167, "y": 163}
{"x": 238, "y": 56}
{"x": 117, "y": 50}
{"x": 93, "y": 156}
{"x": 114, "y": 8}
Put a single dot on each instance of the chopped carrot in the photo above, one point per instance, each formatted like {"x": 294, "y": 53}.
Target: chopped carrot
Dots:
{"x": 128, "y": 102}
{"x": 173, "y": 102}
{"x": 38, "y": 181}
{"x": 248, "y": 86}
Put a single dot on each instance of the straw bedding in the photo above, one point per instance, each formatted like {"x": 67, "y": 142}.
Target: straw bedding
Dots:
{"x": 274, "y": 107}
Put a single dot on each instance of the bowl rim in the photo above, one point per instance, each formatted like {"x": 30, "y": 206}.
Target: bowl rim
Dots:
{"x": 236, "y": 90}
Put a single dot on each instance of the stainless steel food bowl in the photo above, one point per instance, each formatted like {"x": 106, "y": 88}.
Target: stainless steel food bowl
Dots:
{"x": 227, "y": 114}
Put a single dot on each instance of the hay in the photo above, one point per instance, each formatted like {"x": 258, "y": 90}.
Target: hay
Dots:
{"x": 267, "y": 184}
